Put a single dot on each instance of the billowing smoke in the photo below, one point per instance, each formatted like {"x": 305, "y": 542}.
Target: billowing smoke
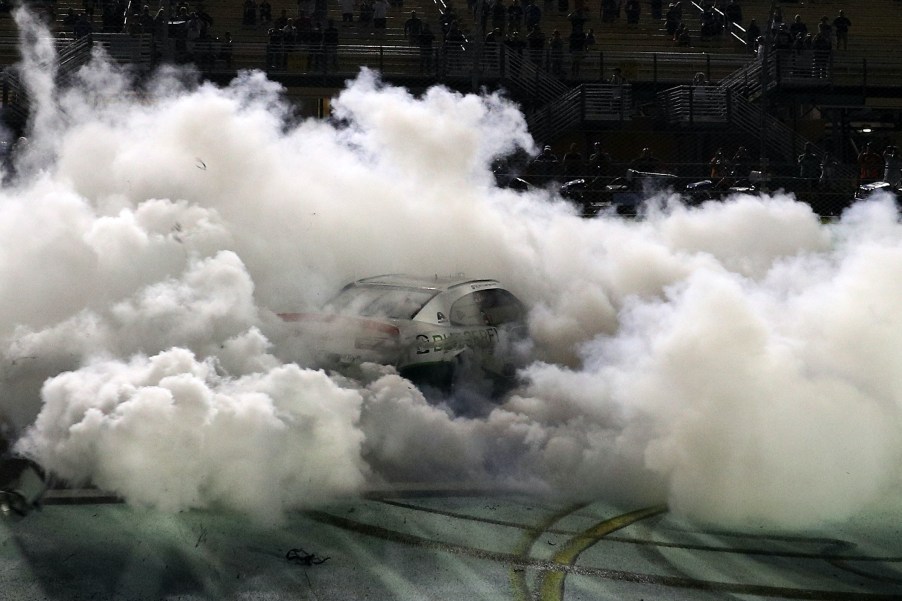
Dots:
{"x": 736, "y": 360}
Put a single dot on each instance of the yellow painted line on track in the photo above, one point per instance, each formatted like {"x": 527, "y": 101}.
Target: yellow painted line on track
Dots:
{"x": 517, "y": 574}
{"x": 552, "y": 588}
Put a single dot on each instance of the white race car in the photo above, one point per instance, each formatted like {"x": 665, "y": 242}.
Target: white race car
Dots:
{"x": 431, "y": 329}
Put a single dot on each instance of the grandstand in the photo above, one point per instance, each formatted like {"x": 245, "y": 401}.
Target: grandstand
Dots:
{"x": 773, "y": 104}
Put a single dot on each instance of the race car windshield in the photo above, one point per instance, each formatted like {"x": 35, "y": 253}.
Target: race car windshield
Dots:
{"x": 380, "y": 301}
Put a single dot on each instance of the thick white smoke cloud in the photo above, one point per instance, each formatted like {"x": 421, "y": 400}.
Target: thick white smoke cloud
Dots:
{"x": 170, "y": 432}
{"x": 736, "y": 360}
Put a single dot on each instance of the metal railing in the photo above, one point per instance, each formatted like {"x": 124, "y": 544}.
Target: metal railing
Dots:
{"x": 15, "y": 96}
{"x": 695, "y": 104}
{"x": 728, "y": 104}
{"x": 585, "y": 103}
{"x": 497, "y": 61}
{"x": 664, "y": 68}
{"x": 530, "y": 77}
{"x": 72, "y": 55}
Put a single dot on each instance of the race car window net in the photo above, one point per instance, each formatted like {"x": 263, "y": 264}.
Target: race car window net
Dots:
{"x": 380, "y": 301}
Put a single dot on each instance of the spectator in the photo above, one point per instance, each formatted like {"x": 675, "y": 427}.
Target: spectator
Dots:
{"x": 499, "y": 16}
{"x": 672, "y": 19}
{"x": 825, "y": 27}
{"x": 265, "y": 12}
{"x": 741, "y": 165}
{"x": 608, "y": 11}
{"x": 453, "y": 46}
{"x": 616, "y": 82}
{"x": 798, "y": 28}
{"x": 828, "y": 171}
{"x": 590, "y": 39}
{"x": 274, "y": 53}
{"x": 206, "y": 19}
{"x": 281, "y": 21}
{"x": 330, "y": 45}
{"x": 646, "y": 161}
{"x": 492, "y": 39}
{"x": 70, "y": 19}
{"x": 782, "y": 39}
{"x": 709, "y": 25}
{"x": 133, "y": 24}
{"x": 317, "y": 9}
{"x": 82, "y": 27}
{"x": 718, "y": 165}
{"x": 160, "y": 24}
{"x": 578, "y": 19}
{"x": 347, "y": 12}
{"x": 315, "y": 48}
{"x": 225, "y": 49}
{"x": 145, "y": 20}
{"x": 515, "y": 16}
{"x": 599, "y": 162}
{"x": 556, "y": 45}
{"x": 380, "y": 14}
{"x": 425, "y": 40}
{"x": 545, "y": 165}
{"x": 801, "y": 44}
{"x": 633, "y": 9}
{"x": 809, "y": 164}
{"x": 249, "y": 13}
{"x": 733, "y": 12}
{"x": 366, "y": 13}
{"x": 776, "y": 18}
{"x": 572, "y": 163}
{"x": 535, "y": 42}
{"x": 870, "y": 165}
{"x": 515, "y": 46}
{"x": 657, "y": 9}
{"x": 446, "y": 18}
{"x": 616, "y": 77}
{"x": 484, "y": 15}
{"x": 841, "y": 25}
{"x": 413, "y": 26}
{"x": 290, "y": 37}
{"x": 533, "y": 15}
{"x": 577, "y": 48}
{"x": 823, "y": 48}
{"x": 892, "y": 172}
{"x": 682, "y": 37}
{"x": 547, "y": 155}
{"x": 752, "y": 33}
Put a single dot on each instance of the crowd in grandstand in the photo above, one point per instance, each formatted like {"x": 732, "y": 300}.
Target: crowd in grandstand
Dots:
{"x": 558, "y": 35}
{"x": 559, "y": 43}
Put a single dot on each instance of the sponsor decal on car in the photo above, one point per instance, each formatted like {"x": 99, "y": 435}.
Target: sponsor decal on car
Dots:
{"x": 452, "y": 341}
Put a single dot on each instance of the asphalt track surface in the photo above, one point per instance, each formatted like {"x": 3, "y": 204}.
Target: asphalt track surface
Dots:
{"x": 426, "y": 544}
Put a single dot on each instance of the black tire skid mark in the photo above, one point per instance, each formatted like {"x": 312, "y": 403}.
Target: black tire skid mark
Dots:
{"x": 517, "y": 561}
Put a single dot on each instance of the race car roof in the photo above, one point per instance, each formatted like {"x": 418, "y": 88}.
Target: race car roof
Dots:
{"x": 435, "y": 282}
